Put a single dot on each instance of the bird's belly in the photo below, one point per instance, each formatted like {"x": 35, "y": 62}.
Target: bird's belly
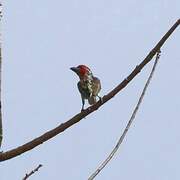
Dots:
{"x": 86, "y": 93}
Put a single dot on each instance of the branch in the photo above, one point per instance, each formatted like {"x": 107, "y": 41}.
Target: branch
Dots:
{"x": 0, "y": 9}
{"x": 48, "y": 135}
{"x": 111, "y": 155}
{"x": 32, "y": 172}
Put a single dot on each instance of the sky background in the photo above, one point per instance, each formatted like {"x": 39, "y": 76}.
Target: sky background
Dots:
{"x": 42, "y": 40}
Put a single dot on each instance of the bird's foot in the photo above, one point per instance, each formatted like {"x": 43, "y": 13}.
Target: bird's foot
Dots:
{"x": 82, "y": 110}
{"x": 100, "y": 99}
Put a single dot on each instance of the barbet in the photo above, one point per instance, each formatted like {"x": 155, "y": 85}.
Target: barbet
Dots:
{"x": 89, "y": 86}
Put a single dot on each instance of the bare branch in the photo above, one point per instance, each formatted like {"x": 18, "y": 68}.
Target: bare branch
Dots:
{"x": 32, "y": 172}
{"x": 0, "y": 9}
{"x": 48, "y": 135}
{"x": 111, "y": 155}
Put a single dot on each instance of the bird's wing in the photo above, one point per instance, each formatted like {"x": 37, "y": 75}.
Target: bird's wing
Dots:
{"x": 96, "y": 86}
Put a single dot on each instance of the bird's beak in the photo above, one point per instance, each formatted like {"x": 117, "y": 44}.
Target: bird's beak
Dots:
{"x": 75, "y": 69}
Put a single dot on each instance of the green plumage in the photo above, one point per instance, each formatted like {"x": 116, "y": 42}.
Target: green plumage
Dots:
{"x": 89, "y": 89}
{"x": 85, "y": 88}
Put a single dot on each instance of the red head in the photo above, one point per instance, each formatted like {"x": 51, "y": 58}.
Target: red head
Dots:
{"x": 81, "y": 70}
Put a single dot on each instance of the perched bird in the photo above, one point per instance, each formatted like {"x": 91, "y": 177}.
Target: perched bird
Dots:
{"x": 88, "y": 85}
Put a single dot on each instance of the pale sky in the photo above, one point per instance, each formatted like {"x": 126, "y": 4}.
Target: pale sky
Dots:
{"x": 42, "y": 40}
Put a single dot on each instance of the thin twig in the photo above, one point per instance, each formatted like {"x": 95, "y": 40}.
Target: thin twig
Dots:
{"x": 129, "y": 123}
{"x": 32, "y": 172}
{"x": 59, "y": 129}
{"x": 0, "y": 9}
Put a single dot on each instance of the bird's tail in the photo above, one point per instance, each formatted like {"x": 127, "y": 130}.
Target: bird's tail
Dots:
{"x": 92, "y": 100}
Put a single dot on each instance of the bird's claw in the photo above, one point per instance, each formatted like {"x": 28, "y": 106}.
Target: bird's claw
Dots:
{"x": 100, "y": 99}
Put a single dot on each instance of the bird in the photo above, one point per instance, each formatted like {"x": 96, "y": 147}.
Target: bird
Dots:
{"x": 89, "y": 86}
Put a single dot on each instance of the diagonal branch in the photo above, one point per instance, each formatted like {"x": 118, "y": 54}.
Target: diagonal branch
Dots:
{"x": 110, "y": 156}
{"x": 32, "y": 172}
{"x": 48, "y": 135}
